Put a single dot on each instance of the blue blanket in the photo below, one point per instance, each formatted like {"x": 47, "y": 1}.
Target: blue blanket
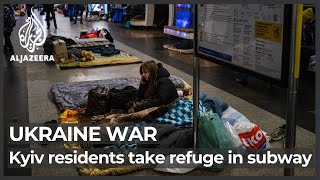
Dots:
{"x": 181, "y": 114}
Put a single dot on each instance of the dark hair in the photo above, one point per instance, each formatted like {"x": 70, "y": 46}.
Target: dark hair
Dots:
{"x": 152, "y": 68}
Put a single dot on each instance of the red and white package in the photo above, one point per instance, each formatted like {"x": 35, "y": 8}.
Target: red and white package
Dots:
{"x": 251, "y": 136}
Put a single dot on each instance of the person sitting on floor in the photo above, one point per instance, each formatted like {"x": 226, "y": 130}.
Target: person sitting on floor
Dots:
{"x": 156, "y": 89}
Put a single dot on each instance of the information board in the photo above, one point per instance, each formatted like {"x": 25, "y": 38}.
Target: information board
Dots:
{"x": 249, "y": 36}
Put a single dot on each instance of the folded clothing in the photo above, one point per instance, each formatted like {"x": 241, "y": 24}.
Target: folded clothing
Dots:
{"x": 109, "y": 50}
{"x": 76, "y": 52}
{"x": 213, "y": 103}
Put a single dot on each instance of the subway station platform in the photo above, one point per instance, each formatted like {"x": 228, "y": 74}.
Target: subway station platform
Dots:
{"x": 28, "y": 98}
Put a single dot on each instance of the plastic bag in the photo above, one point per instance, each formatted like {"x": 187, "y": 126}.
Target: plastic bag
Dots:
{"x": 233, "y": 116}
{"x": 234, "y": 135}
{"x": 250, "y": 135}
{"x": 212, "y": 134}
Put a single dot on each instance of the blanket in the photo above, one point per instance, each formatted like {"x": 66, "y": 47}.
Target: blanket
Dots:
{"x": 147, "y": 115}
{"x": 122, "y": 58}
{"x": 168, "y": 136}
{"x": 73, "y": 95}
{"x": 93, "y": 171}
{"x": 89, "y": 44}
{"x": 184, "y": 51}
{"x": 181, "y": 113}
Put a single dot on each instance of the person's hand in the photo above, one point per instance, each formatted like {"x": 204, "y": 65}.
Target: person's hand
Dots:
{"x": 130, "y": 103}
{"x": 131, "y": 110}
{"x": 136, "y": 104}
{"x": 142, "y": 80}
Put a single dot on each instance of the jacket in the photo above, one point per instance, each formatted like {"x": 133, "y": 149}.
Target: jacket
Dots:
{"x": 48, "y": 7}
{"x": 9, "y": 18}
{"x": 80, "y": 7}
{"x": 164, "y": 93}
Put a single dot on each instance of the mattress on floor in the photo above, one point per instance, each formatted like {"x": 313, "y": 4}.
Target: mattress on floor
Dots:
{"x": 74, "y": 95}
{"x": 93, "y": 171}
{"x": 89, "y": 44}
{"x": 89, "y": 40}
{"x": 122, "y": 58}
{"x": 185, "y": 51}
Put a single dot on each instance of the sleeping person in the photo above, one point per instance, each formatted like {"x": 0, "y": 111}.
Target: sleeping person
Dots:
{"x": 156, "y": 89}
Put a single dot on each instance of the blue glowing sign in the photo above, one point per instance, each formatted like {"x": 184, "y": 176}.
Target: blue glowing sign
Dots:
{"x": 184, "y": 15}
{"x": 98, "y": 7}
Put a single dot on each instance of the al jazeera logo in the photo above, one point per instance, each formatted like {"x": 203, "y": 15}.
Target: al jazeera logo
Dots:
{"x": 32, "y": 36}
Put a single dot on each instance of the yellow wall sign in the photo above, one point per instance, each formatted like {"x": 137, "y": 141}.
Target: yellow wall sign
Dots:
{"x": 268, "y": 31}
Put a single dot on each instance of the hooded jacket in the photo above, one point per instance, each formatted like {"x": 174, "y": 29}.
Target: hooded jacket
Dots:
{"x": 164, "y": 93}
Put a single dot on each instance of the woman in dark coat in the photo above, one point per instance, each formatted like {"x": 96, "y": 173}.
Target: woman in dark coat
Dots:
{"x": 156, "y": 89}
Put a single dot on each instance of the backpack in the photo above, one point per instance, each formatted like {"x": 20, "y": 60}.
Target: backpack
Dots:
{"x": 98, "y": 101}
{"x": 121, "y": 97}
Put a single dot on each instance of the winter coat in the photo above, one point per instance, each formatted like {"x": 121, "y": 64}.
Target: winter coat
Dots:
{"x": 48, "y": 7}
{"x": 9, "y": 18}
{"x": 80, "y": 7}
{"x": 164, "y": 93}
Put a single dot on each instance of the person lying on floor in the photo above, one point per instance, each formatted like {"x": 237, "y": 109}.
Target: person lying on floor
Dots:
{"x": 155, "y": 89}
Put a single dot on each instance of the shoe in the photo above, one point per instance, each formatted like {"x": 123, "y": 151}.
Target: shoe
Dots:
{"x": 278, "y": 133}
{"x": 48, "y": 27}
{"x": 81, "y": 22}
{"x": 55, "y": 27}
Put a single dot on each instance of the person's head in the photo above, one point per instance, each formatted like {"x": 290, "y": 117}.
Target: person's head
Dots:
{"x": 149, "y": 71}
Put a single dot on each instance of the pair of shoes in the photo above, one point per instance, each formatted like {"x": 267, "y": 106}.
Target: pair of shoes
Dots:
{"x": 278, "y": 133}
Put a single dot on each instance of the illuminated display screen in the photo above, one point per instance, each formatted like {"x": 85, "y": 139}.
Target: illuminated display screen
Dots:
{"x": 184, "y": 15}
{"x": 98, "y": 7}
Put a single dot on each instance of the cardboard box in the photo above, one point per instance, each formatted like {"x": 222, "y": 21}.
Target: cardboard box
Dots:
{"x": 59, "y": 47}
{"x": 60, "y": 58}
